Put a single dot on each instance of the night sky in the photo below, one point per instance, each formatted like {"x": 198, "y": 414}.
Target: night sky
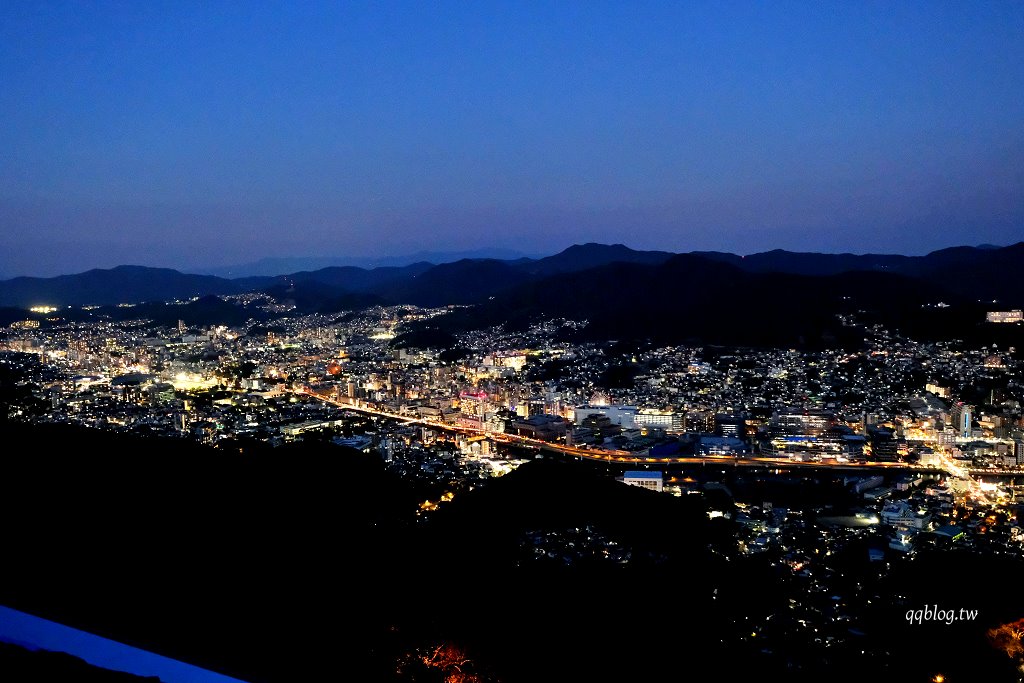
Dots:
{"x": 189, "y": 134}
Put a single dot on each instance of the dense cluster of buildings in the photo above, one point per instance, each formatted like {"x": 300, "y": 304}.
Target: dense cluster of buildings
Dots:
{"x": 896, "y": 401}
{"x": 444, "y": 418}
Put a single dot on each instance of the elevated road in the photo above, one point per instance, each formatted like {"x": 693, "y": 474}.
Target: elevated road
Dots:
{"x": 614, "y": 456}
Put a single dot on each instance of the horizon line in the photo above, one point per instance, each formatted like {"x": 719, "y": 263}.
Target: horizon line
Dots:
{"x": 364, "y": 261}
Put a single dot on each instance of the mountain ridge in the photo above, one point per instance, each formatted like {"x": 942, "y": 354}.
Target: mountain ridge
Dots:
{"x": 980, "y": 273}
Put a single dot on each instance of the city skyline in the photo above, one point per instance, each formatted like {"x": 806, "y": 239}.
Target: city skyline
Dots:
{"x": 505, "y": 342}
{"x": 197, "y": 137}
{"x": 830, "y": 473}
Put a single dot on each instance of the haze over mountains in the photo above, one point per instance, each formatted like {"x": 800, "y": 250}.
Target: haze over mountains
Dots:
{"x": 275, "y": 265}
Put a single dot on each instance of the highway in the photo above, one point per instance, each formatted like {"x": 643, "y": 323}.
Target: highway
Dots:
{"x": 617, "y": 457}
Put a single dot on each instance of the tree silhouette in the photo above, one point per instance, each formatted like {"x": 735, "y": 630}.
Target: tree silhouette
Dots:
{"x": 1009, "y": 638}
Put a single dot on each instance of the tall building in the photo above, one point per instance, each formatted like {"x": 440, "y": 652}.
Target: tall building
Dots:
{"x": 884, "y": 447}
{"x": 961, "y": 416}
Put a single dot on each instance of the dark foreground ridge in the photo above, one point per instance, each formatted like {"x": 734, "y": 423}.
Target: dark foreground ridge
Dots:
{"x": 277, "y": 565}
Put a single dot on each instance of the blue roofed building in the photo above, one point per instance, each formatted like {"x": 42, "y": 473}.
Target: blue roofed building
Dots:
{"x": 648, "y": 480}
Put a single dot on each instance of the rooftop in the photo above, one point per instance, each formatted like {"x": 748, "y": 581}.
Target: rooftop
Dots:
{"x": 641, "y": 475}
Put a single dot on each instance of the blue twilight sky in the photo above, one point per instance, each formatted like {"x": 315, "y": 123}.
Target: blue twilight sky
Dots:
{"x": 194, "y": 134}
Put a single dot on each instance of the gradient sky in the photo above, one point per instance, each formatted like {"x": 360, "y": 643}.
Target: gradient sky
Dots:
{"x": 193, "y": 134}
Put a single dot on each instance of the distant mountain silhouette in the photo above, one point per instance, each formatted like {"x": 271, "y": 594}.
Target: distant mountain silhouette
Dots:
{"x": 120, "y": 285}
{"x": 274, "y": 266}
{"x": 802, "y": 263}
{"x": 693, "y": 299}
{"x": 463, "y": 282}
{"x": 979, "y": 274}
{"x": 346, "y": 278}
{"x": 361, "y": 279}
{"x": 583, "y": 256}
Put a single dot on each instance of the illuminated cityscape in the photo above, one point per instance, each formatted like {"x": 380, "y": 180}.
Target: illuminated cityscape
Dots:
{"x": 886, "y": 452}
{"x": 511, "y": 342}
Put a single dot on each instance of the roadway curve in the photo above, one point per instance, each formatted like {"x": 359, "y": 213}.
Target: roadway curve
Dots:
{"x": 621, "y": 457}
